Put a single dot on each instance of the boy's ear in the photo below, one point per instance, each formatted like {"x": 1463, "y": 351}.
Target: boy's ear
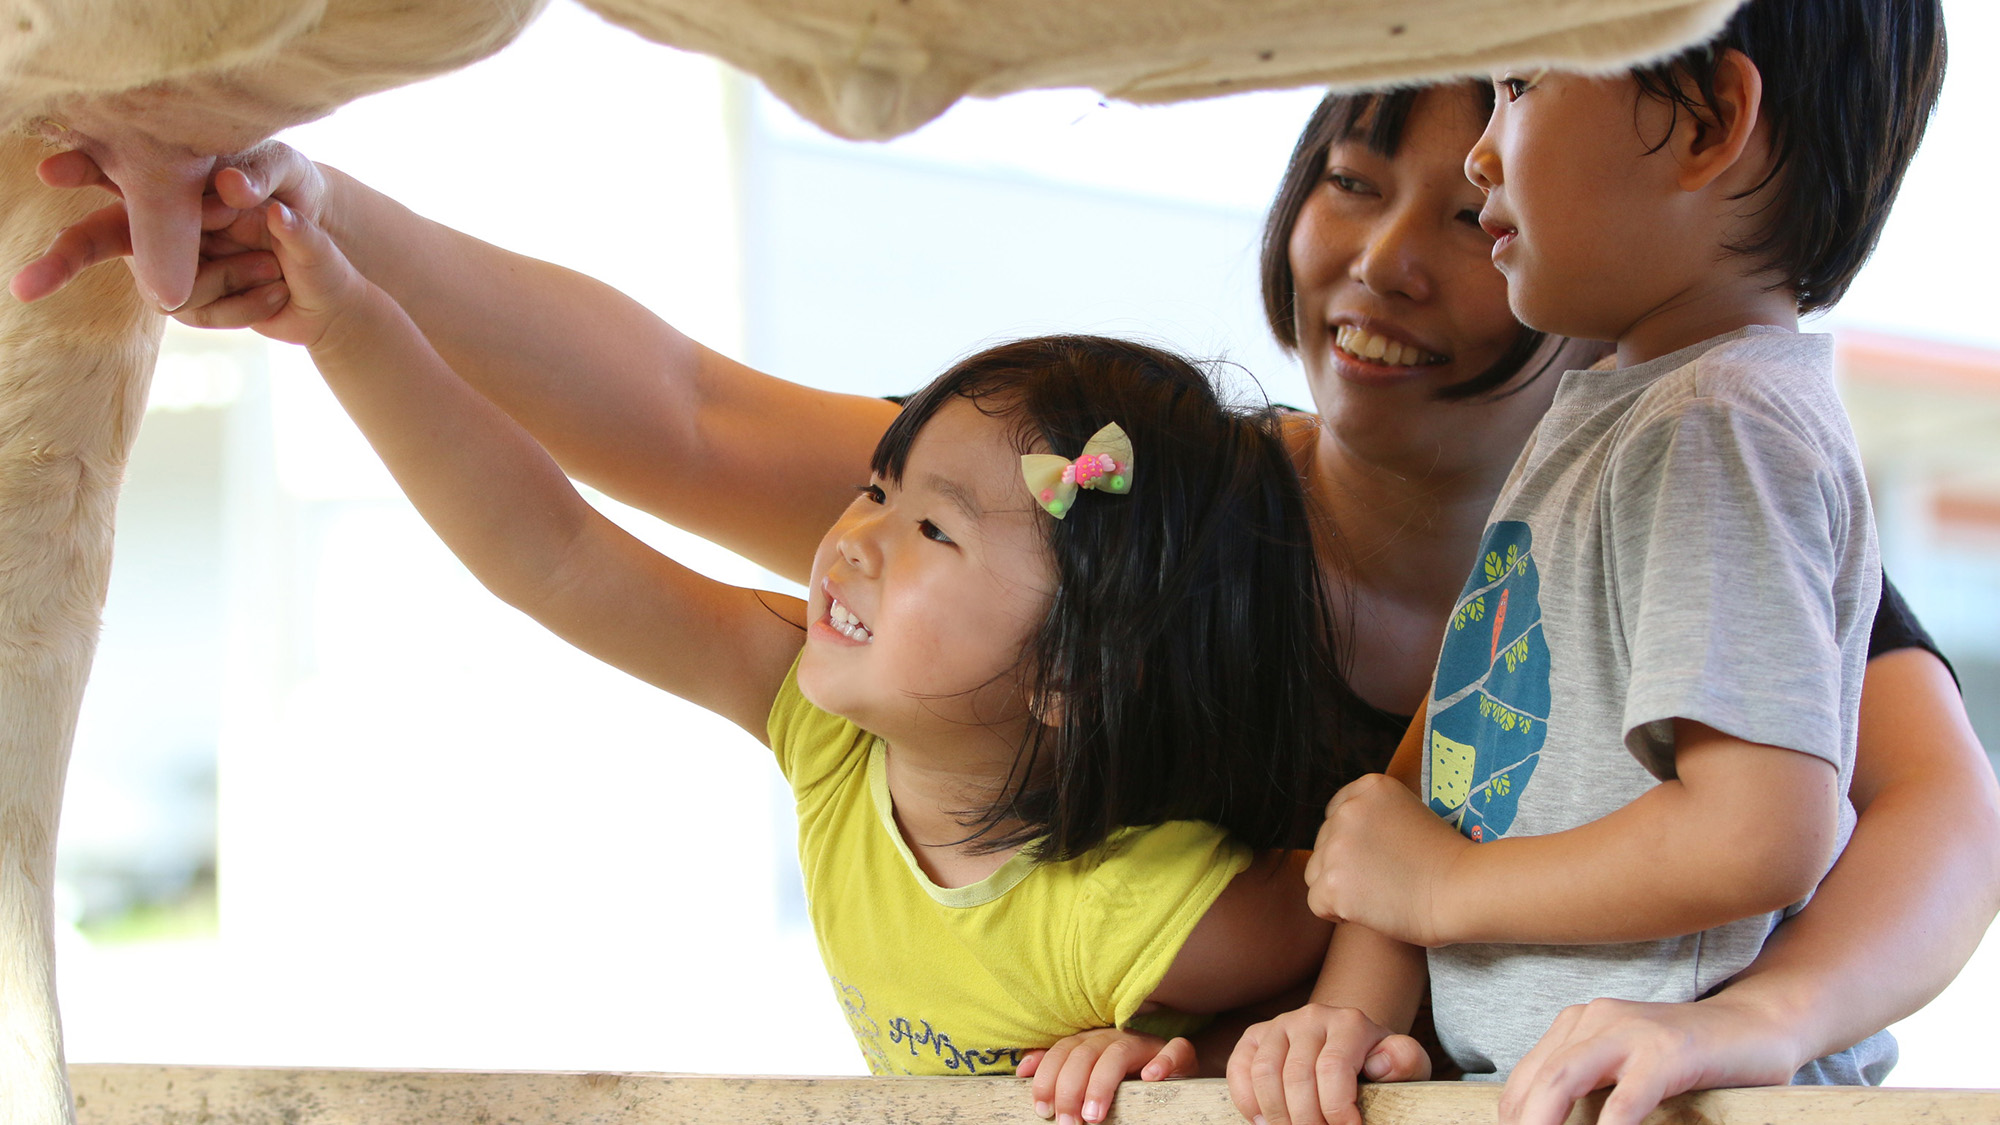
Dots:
{"x": 1707, "y": 147}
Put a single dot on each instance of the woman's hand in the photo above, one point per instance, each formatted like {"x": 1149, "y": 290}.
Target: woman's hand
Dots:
{"x": 1078, "y": 1077}
{"x": 1646, "y": 1053}
{"x": 1382, "y": 859}
{"x": 1305, "y": 1067}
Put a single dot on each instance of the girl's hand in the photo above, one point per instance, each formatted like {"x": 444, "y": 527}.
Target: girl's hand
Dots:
{"x": 320, "y": 290}
{"x": 1078, "y": 1077}
{"x": 1382, "y": 859}
{"x": 1647, "y": 1053}
{"x": 1305, "y": 1067}
{"x": 225, "y": 208}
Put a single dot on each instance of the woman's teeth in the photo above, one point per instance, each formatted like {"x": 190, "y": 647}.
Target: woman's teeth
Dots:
{"x": 846, "y": 624}
{"x": 1365, "y": 345}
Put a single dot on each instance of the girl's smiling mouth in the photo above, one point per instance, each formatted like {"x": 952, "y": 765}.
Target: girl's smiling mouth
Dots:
{"x": 843, "y": 620}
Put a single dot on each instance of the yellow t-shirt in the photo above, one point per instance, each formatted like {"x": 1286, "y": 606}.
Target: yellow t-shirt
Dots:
{"x": 963, "y": 980}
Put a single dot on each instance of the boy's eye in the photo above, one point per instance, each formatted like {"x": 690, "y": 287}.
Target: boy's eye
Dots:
{"x": 873, "y": 492}
{"x": 932, "y": 532}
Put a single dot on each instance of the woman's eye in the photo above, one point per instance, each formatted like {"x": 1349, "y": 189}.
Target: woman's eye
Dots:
{"x": 1341, "y": 181}
{"x": 873, "y": 492}
{"x": 932, "y": 532}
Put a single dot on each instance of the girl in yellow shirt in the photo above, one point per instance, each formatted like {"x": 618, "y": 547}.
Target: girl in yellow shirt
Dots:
{"x": 1062, "y": 669}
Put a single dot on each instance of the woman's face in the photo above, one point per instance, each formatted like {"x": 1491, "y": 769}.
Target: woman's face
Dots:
{"x": 1396, "y": 291}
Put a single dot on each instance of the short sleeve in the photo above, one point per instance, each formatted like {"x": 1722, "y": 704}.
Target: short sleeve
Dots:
{"x": 811, "y": 745}
{"x": 1728, "y": 550}
{"x": 1897, "y": 627}
{"x": 1145, "y": 898}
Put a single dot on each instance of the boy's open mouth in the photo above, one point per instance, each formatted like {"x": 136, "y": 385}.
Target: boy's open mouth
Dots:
{"x": 1500, "y": 233}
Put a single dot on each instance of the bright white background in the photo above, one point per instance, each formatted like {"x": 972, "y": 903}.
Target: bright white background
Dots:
{"x": 442, "y": 838}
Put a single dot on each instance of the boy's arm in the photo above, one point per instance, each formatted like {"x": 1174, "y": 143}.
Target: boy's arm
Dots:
{"x": 1743, "y": 829}
{"x": 508, "y": 512}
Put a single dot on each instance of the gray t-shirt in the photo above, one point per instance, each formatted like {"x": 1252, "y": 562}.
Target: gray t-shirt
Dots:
{"x": 1688, "y": 538}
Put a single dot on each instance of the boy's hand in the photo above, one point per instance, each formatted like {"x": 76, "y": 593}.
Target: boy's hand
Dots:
{"x": 1382, "y": 860}
{"x": 1305, "y": 1067}
{"x": 1078, "y": 1077}
{"x": 1647, "y": 1052}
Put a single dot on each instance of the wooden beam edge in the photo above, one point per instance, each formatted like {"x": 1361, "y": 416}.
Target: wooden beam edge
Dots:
{"x": 112, "y": 1094}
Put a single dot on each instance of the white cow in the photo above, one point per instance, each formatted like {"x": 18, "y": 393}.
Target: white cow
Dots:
{"x": 156, "y": 90}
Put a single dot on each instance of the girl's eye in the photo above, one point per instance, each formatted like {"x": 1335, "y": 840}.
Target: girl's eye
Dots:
{"x": 873, "y": 492}
{"x": 932, "y": 532}
{"x": 1512, "y": 87}
{"x": 1470, "y": 217}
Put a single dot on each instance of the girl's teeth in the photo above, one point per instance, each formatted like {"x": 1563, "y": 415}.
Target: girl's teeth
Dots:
{"x": 847, "y": 624}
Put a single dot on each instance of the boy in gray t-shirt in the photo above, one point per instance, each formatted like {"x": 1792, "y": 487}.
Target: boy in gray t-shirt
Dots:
{"x": 1636, "y": 752}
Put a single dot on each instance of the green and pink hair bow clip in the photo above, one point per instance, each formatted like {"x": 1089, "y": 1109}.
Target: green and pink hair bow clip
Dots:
{"x": 1104, "y": 466}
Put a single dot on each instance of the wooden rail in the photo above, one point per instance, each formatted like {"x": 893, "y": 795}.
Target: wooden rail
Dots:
{"x": 174, "y": 1095}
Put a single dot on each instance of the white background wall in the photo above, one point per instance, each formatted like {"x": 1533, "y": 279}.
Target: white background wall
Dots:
{"x": 446, "y": 839}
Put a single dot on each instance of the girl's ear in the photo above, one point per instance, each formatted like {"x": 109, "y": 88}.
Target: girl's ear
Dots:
{"x": 1709, "y": 146}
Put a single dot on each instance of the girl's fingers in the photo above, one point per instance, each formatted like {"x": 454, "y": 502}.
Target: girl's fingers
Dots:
{"x": 238, "y": 310}
{"x": 229, "y": 275}
{"x": 1048, "y": 1067}
{"x": 73, "y": 169}
{"x": 269, "y": 171}
{"x": 97, "y": 237}
{"x": 1073, "y": 1081}
{"x": 1102, "y": 1086}
{"x": 1176, "y": 1060}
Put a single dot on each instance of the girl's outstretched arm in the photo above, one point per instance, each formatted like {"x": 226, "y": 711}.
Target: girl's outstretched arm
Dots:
{"x": 620, "y": 398}
{"x": 509, "y": 513}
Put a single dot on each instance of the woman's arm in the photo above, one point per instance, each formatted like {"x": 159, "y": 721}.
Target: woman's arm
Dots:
{"x": 1918, "y": 883}
{"x": 620, "y": 398}
{"x": 1889, "y": 927}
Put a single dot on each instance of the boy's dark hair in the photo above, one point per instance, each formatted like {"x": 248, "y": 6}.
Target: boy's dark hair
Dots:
{"x": 1849, "y": 86}
{"x": 1378, "y": 119}
{"x": 1186, "y": 666}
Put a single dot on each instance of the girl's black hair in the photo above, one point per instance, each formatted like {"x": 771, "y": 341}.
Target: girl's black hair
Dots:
{"x": 1186, "y": 667}
{"x": 1378, "y": 119}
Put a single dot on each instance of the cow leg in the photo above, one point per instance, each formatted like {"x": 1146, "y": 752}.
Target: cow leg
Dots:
{"x": 73, "y": 375}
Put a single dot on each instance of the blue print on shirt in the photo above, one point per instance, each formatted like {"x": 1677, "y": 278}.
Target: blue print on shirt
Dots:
{"x": 1490, "y": 705}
